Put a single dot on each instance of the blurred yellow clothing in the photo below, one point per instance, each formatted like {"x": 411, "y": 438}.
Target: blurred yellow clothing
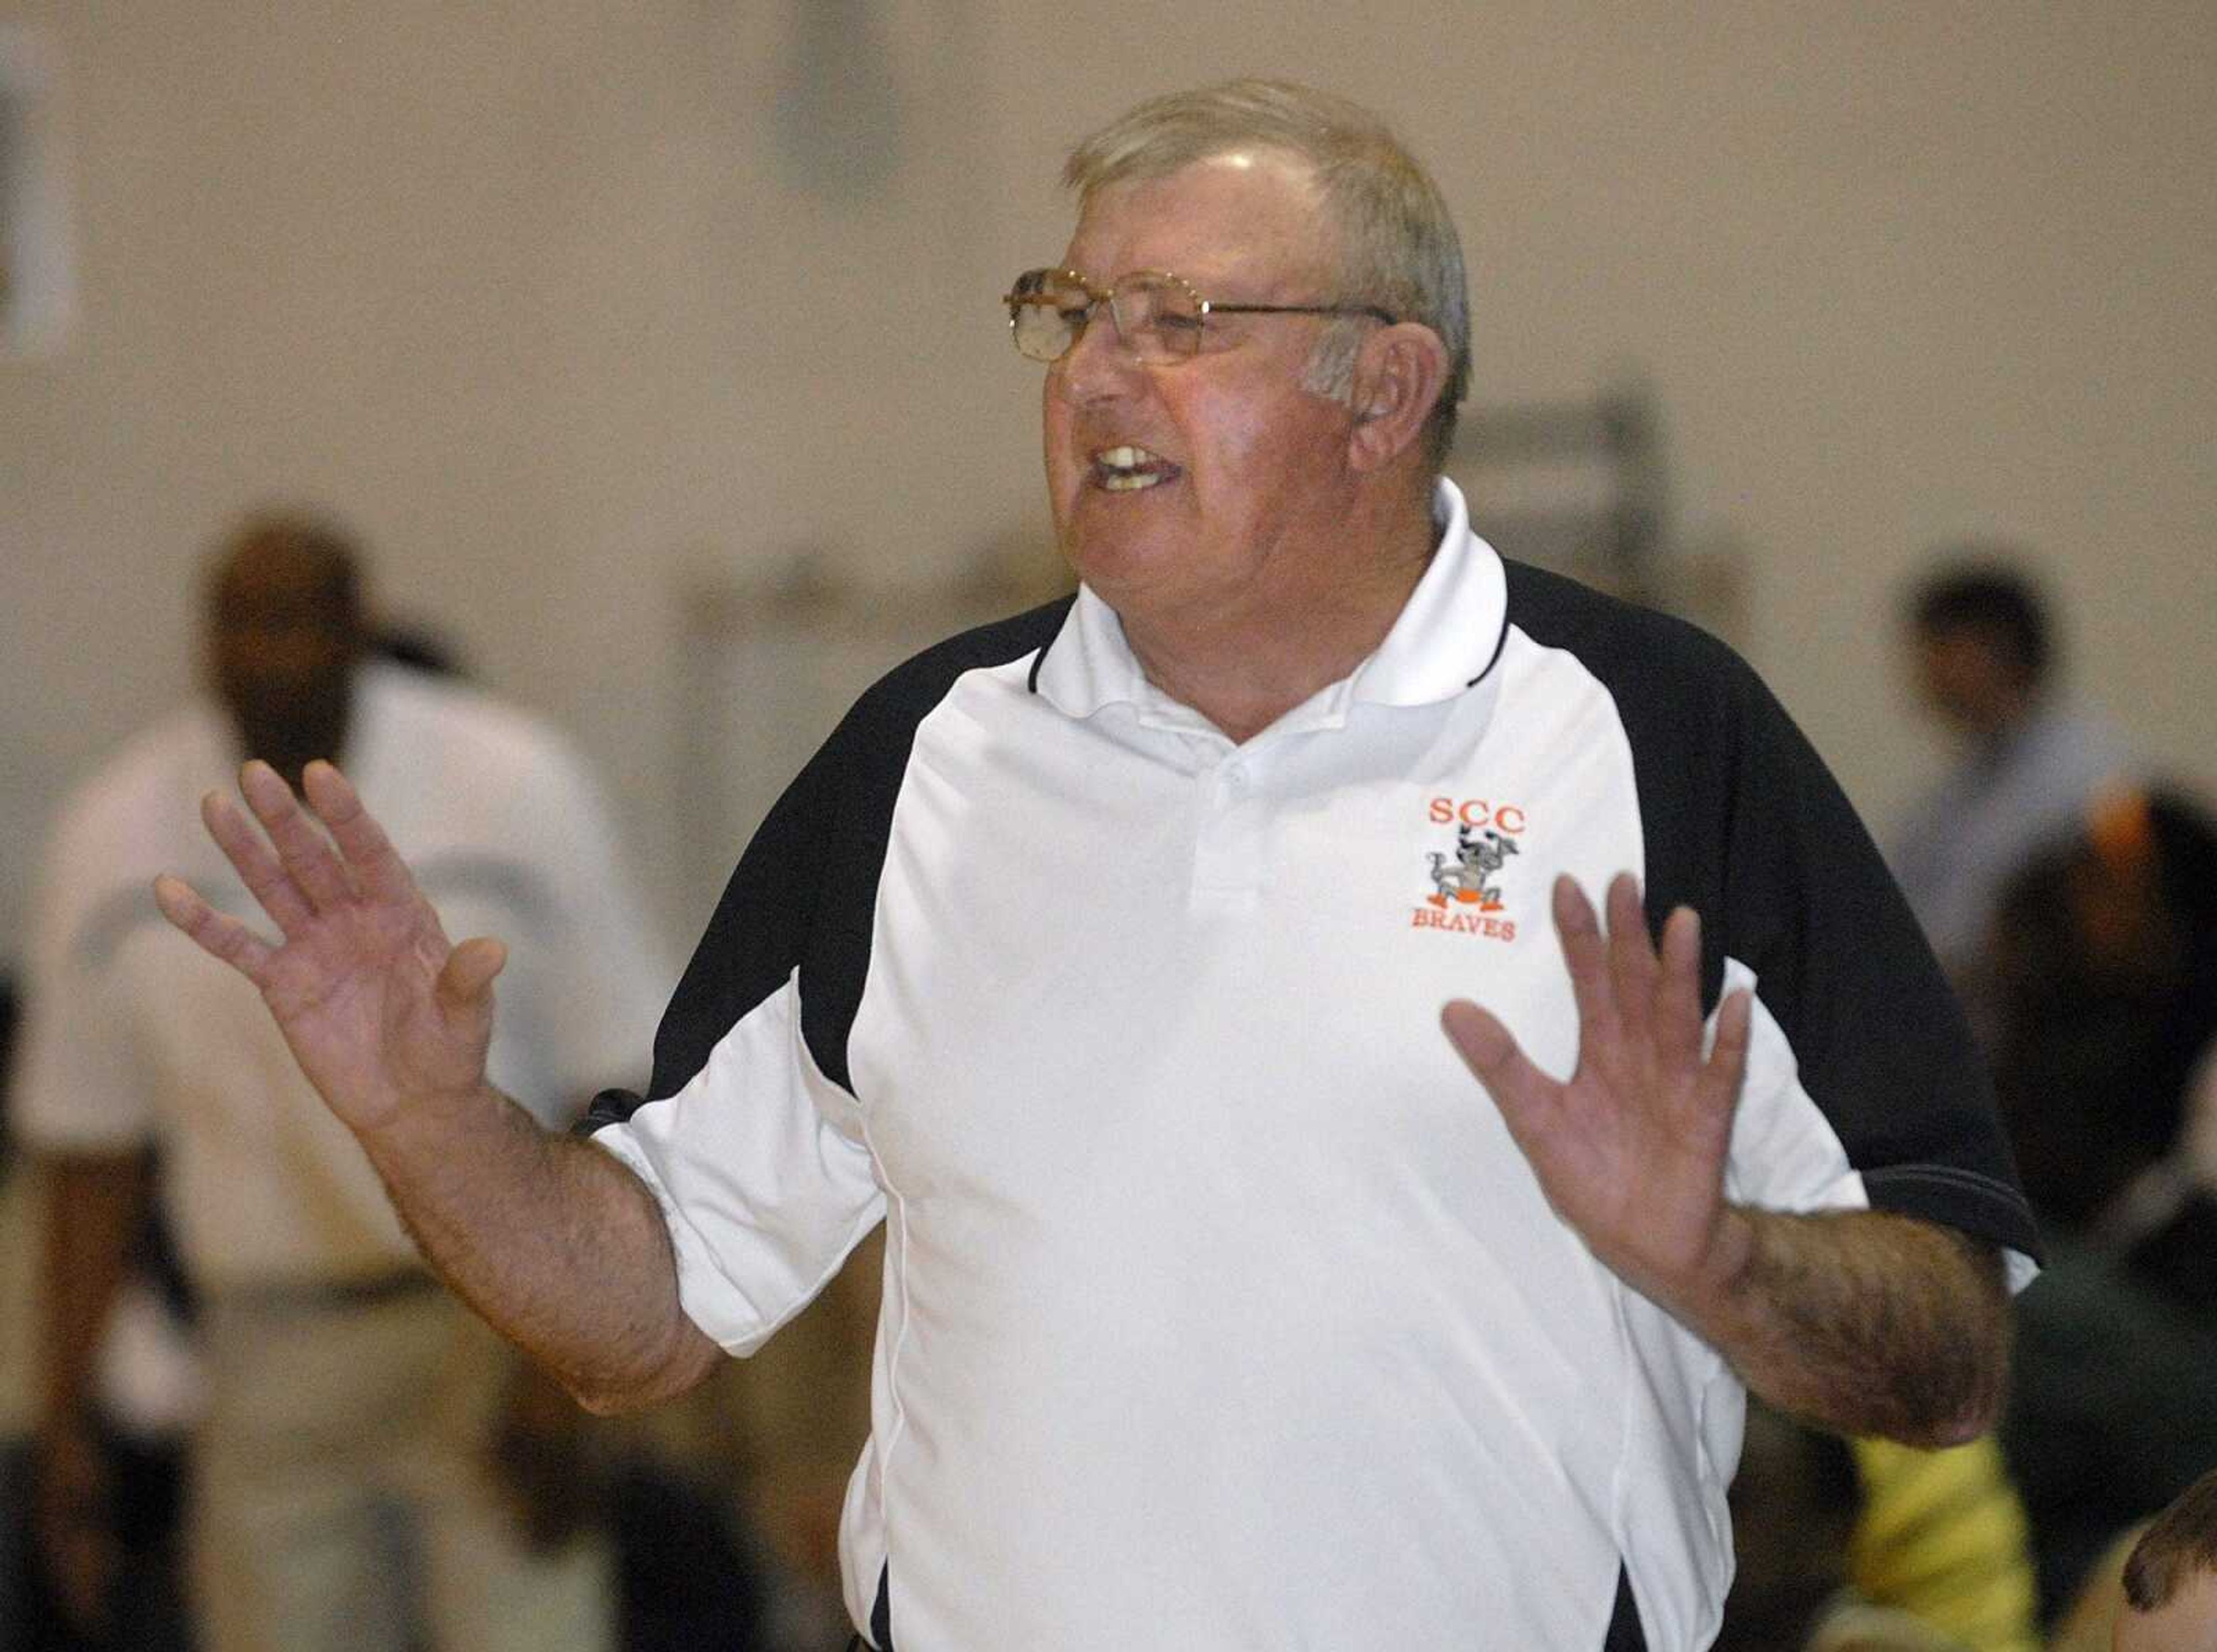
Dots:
{"x": 1943, "y": 1535}
{"x": 1854, "y": 1626}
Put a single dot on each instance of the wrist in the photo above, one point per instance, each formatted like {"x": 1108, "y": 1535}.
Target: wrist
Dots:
{"x": 1715, "y": 1298}
{"x": 426, "y": 1122}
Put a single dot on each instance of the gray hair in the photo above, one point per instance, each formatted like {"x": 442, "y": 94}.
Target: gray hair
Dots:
{"x": 1396, "y": 244}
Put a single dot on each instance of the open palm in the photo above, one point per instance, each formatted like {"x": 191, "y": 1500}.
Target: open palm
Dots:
{"x": 1631, "y": 1151}
{"x": 381, "y": 1010}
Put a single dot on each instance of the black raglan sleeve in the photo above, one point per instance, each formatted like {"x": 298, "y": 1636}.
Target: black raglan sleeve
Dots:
{"x": 1742, "y": 821}
{"x": 1801, "y": 896}
{"x": 804, "y": 896}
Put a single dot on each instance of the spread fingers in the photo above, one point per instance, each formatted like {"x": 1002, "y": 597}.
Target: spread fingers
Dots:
{"x": 377, "y": 865}
{"x": 257, "y": 864}
{"x": 308, "y": 857}
{"x": 219, "y": 937}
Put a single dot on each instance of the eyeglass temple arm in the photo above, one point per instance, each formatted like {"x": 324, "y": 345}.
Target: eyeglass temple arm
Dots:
{"x": 1370, "y": 310}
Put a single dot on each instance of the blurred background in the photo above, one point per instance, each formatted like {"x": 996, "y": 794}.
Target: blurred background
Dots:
{"x": 583, "y": 314}
{"x": 653, "y": 353}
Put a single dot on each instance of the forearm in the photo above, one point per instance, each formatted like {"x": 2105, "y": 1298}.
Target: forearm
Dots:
{"x": 559, "y": 1246}
{"x": 556, "y": 1243}
{"x": 1863, "y": 1322}
{"x": 94, "y": 1204}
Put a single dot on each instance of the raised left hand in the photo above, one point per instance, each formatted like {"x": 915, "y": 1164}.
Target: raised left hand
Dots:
{"x": 1631, "y": 1151}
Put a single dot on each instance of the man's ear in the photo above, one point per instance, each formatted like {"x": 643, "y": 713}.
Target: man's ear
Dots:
{"x": 1399, "y": 377}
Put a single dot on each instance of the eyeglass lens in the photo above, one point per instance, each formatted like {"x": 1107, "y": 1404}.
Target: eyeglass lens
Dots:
{"x": 1156, "y": 317}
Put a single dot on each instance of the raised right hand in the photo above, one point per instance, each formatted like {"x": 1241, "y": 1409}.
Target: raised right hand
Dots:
{"x": 381, "y": 1010}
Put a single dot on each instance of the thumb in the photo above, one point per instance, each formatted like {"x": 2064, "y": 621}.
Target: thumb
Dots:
{"x": 1490, "y": 1051}
{"x": 1478, "y": 1036}
{"x": 465, "y": 985}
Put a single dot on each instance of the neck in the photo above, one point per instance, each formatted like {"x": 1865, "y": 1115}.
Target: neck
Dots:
{"x": 2005, "y": 717}
{"x": 1243, "y": 664}
{"x": 290, "y": 746}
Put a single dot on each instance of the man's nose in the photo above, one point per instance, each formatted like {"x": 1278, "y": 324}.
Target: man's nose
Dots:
{"x": 1098, "y": 365}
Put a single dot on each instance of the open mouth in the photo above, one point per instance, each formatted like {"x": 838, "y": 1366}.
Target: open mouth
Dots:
{"x": 1129, "y": 469}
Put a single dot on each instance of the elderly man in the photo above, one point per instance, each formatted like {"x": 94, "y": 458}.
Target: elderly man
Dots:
{"x": 1101, "y": 954}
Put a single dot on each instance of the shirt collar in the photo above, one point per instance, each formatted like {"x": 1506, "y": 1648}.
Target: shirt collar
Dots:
{"x": 1445, "y": 638}
{"x": 1450, "y": 632}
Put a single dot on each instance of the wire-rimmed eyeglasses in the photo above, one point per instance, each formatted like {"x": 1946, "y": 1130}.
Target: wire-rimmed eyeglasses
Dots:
{"x": 1159, "y": 316}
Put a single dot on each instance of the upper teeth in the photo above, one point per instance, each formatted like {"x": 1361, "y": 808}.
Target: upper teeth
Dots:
{"x": 1127, "y": 466}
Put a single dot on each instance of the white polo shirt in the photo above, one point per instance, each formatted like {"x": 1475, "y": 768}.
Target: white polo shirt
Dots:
{"x": 133, "y": 1036}
{"x": 1220, "y": 1311}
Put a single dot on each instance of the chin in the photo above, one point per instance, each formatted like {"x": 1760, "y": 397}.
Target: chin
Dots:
{"x": 1102, "y": 559}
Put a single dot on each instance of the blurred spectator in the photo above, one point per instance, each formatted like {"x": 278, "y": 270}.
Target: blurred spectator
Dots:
{"x": 2171, "y": 1578}
{"x": 1943, "y": 1536}
{"x": 15, "y": 1376}
{"x": 1867, "y": 1544}
{"x": 1796, "y": 1502}
{"x": 372, "y": 1471}
{"x": 2106, "y": 963}
{"x": 2106, "y": 972}
{"x": 145, "y": 1388}
{"x": 2089, "y": 1620}
{"x": 420, "y": 647}
{"x": 1984, "y": 658}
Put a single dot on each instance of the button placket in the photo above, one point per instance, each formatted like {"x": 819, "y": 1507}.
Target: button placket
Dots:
{"x": 1228, "y": 849}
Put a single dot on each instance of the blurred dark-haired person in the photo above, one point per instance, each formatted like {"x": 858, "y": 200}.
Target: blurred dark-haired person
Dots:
{"x": 1801, "y": 1501}
{"x": 1986, "y": 660}
{"x": 2171, "y": 1578}
{"x": 2106, "y": 955}
{"x": 355, "y": 1477}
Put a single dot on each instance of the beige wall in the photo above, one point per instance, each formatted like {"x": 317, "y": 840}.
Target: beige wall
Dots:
{"x": 552, "y": 301}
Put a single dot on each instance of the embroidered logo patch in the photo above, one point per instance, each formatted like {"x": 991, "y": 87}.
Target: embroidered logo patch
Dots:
{"x": 1467, "y": 897}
